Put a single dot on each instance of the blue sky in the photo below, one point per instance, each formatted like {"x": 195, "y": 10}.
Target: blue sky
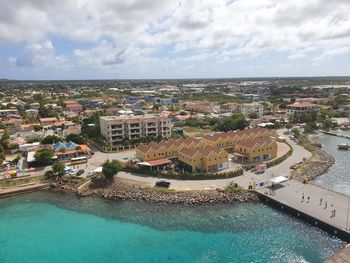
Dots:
{"x": 90, "y": 39}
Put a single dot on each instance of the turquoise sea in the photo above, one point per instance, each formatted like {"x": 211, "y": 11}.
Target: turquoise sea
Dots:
{"x": 52, "y": 227}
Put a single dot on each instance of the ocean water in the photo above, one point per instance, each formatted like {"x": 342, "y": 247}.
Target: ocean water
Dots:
{"x": 52, "y": 227}
{"x": 338, "y": 176}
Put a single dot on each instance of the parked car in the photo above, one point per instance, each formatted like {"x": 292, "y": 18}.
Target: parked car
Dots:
{"x": 164, "y": 184}
{"x": 80, "y": 172}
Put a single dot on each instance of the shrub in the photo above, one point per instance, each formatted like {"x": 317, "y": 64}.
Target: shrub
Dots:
{"x": 187, "y": 176}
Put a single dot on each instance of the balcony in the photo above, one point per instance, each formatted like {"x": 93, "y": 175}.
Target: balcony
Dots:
{"x": 133, "y": 132}
{"x": 116, "y": 127}
{"x": 151, "y": 124}
{"x": 134, "y": 125}
{"x": 117, "y": 138}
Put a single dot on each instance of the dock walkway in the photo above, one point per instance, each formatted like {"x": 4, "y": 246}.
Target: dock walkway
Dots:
{"x": 290, "y": 194}
{"x": 6, "y": 192}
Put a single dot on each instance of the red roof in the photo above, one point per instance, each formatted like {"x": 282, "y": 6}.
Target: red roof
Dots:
{"x": 159, "y": 162}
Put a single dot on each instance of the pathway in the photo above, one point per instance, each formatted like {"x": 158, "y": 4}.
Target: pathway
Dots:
{"x": 290, "y": 193}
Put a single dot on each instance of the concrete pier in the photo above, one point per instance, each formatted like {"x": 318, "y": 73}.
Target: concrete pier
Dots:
{"x": 336, "y": 134}
{"x": 288, "y": 197}
{"x": 23, "y": 189}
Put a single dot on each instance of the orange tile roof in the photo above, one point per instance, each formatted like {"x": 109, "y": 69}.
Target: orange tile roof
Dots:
{"x": 253, "y": 143}
{"x": 67, "y": 102}
{"x": 159, "y": 162}
{"x": 48, "y": 119}
{"x": 302, "y": 105}
{"x": 83, "y": 149}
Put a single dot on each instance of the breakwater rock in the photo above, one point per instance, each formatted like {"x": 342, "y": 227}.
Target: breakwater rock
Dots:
{"x": 317, "y": 165}
{"x": 122, "y": 191}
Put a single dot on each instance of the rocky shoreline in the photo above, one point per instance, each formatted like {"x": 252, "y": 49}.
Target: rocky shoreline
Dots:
{"x": 317, "y": 165}
{"x": 120, "y": 190}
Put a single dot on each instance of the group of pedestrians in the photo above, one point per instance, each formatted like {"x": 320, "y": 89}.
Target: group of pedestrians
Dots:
{"x": 333, "y": 210}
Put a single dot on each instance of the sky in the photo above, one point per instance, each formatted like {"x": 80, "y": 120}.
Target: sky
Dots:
{"x": 151, "y": 39}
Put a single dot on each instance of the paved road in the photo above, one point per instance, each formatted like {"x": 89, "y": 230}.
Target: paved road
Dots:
{"x": 299, "y": 153}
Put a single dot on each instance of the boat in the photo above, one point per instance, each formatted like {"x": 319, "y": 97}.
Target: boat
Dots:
{"x": 343, "y": 146}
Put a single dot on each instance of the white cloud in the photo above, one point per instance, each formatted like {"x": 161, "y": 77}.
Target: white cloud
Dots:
{"x": 127, "y": 32}
{"x": 39, "y": 55}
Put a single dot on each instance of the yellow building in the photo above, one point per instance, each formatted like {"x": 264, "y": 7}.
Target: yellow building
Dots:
{"x": 256, "y": 150}
{"x": 203, "y": 159}
{"x": 228, "y": 140}
{"x": 211, "y": 152}
{"x": 166, "y": 149}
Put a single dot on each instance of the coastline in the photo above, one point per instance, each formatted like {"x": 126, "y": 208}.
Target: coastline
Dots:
{"x": 123, "y": 190}
{"x": 317, "y": 165}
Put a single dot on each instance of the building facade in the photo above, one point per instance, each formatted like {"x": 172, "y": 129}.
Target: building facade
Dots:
{"x": 203, "y": 159}
{"x": 256, "y": 150}
{"x": 251, "y": 108}
{"x": 118, "y": 128}
{"x": 300, "y": 110}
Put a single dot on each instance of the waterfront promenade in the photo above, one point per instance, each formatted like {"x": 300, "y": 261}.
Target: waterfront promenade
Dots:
{"x": 6, "y": 192}
{"x": 290, "y": 194}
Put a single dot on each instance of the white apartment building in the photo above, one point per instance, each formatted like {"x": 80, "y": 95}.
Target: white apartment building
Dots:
{"x": 119, "y": 128}
{"x": 247, "y": 108}
{"x": 300, "y": 109}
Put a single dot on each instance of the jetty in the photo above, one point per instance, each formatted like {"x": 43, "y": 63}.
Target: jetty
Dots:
{"x": 7, "y": 192}
{"x": 312, "y": 204}
{"x": 336, "y": 134}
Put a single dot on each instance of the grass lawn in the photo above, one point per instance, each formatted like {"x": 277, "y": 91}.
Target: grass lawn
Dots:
{"x": 196, "y": 132}
{"x": 25, "y": 180}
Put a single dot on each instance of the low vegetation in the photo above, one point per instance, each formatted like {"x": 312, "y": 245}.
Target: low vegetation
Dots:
{"x": 187, "y": 176}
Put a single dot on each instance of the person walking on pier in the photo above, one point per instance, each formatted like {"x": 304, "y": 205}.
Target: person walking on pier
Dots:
{"x": 302, "y": 197}
{"x": 325, "y": 205}
{"x": 308, "y": 199}
{"x": 321, "y": 201}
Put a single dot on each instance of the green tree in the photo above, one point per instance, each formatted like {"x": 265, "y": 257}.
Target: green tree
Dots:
{"x": 110, "y": 168}
{"x": 289, "y": 126}
{"x": 76, "y": 138}
{"x": 235, "y": 122}
{"x": 44, "y": 156}
{"x": 5, "y": 140}
{"x": 327, "y": 123}
{"x": 43, "y": 111}
{"x": 58, "y": 170}
{"x": 310, "y": 127}
{"x": 295, "y": 132}
{"x": 50, "y": 139}
{"x": 253, "y": 115}
{"x": 37, "y": 127}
